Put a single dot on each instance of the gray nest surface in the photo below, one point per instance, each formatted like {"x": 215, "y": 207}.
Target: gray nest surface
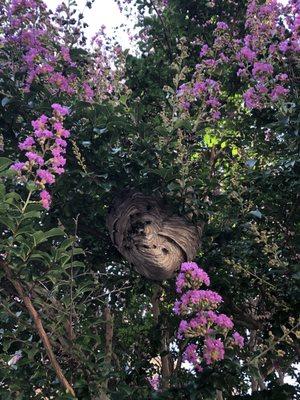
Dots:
{"x": 149, "y": 237}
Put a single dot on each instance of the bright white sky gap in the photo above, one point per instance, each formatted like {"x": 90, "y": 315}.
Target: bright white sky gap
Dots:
{"x": 103, "y": 12}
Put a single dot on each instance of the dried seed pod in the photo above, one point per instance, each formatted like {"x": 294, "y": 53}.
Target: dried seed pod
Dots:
{"x": 149, "y": 237}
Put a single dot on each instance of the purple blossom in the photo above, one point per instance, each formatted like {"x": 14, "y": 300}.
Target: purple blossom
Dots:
{"x": 213, "y": 350}
{"x": 65, "y": 53}
{"x": 210, "y": 63}
{"x": 35, "y": 157}
{"x": 195, "y": 299}
{"x": 58, "y": 161}
{"x": 261, "y": 68}
{"x": 182, "y": 89}
{"x": 190, "y": 354}
{"x": 261, "y": 88}
{"x": 223, "y": 321}
{"x": 58, "y": 170}
{"x": 252, "y": 100}
{"x": 61, "y": 110}
{"x": 195, "y": 327}
{"x": 40, "y": 122}
{"x": 58, "y": 126}
{"x": 45, "y": 199}
{"x": 60, "y": 131}
{"x": 199, "y": 87}
{"x": 27, "y": 143}
{"x": 18, "y": 166}
{"x": 191, "y": 276}
{"x": 248, "y": 53}
{"x": 284, "y": 46}
{"x": 65, "y": 133}
{"x": 63, "y": 83}
{"x": 216, "y": 115}
{"x": 186, "y": 105}
{"x": 213, "y": 102}
{"x": 222, "y": 25}
{"x": 88, "y": 91}
{"x": 278, "y": 91}
{"x": 43, "y": 134}
{"x": 43, "y": 129}
{"x": 238, "y": 339}
{"x": 57, "y": 151}
{"x": 204, "y": 50}
{"x": 45, "y": 176}
{"x": 205, "y": 322}
{"x": 282, "y": 77}
{"x": 154, "y": 381}
{"x": 60, "y": 142}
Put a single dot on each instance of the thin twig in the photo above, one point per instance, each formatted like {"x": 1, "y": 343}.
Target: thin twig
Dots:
{"x": 40, "y": 329}
{"x": 164, "y": 29}
{"x": 272, "y": 346}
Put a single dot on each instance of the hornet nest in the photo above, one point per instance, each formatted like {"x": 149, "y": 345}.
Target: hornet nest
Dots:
{"x": 148, "y": 236}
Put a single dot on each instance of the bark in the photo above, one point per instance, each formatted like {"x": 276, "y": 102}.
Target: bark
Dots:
{"x": 219, "y": 395}
{"x": 280, "y": 376}
{"x": 252, "y": 346}
{"x": 109, "y": 331}
{"x": 165, "y": 361}
{"x": 155, "y": 302}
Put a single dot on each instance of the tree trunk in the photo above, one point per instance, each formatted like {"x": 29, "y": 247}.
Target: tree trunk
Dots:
{"x": 109, "y": 330}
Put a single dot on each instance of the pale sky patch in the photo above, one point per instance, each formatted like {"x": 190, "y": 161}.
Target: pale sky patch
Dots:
{"x": 103, "y": 12}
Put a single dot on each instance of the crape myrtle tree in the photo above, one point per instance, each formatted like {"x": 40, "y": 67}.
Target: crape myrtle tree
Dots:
{"x": 206, "y": 117}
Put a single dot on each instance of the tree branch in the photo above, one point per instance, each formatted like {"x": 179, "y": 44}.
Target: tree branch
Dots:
{"x": 164, "y": 29}
{"x": 40, "y": 328}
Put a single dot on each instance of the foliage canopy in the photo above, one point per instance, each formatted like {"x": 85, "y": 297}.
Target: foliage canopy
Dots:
{"x": 205, "y": 116}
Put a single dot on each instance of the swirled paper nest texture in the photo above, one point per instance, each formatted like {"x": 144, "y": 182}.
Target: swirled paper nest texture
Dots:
{"x": 148, "y": 236}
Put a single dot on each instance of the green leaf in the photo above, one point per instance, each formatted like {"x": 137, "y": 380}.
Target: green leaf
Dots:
{"x": 40, "y": 236}
{"x": 12, "y": 196}
{"x": 66, "y": 244}
{"x": 74, "y": 264}
{"x": 2, "y": 190}
{"x": 256, "y": 214}
{"x": 31, "y": 214}
{"x": 210, "y": 140}
{"x": 5, "y": 101}
{"x": 235, "y": 151}
{"x": 41, "y": 256}
{"x": 7, "y": 222}
{"x": 4, "y": 163}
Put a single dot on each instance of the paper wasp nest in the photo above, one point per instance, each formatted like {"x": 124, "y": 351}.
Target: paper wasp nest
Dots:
{"x": 149, "y": 237}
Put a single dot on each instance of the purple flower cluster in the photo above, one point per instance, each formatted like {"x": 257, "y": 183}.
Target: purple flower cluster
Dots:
{"x": 260, "y": 58}
{"x": 28, "y": 30}
{"x": 154, "y": 381}
{"x": 265, "y": 51}
{"x": 38, "y": 42}
{"x": 201, "y": 320}
{"x": 213, "y": 350}
{"x": 191, "y": 277}
{"x": 197, "y": 299}
{"x": 204, "y": 93}
{"x": 203, "y": 323}
{"x": 45, "y": 152}
{"x": 238, "y": 339}
{"x": 38, "y": 46}
{"x": 191, "y": 355}
{"x": 103, "y": 81}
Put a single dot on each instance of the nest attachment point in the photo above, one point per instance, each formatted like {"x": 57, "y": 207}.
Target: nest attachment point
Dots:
{"x": 149, "y": 237}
